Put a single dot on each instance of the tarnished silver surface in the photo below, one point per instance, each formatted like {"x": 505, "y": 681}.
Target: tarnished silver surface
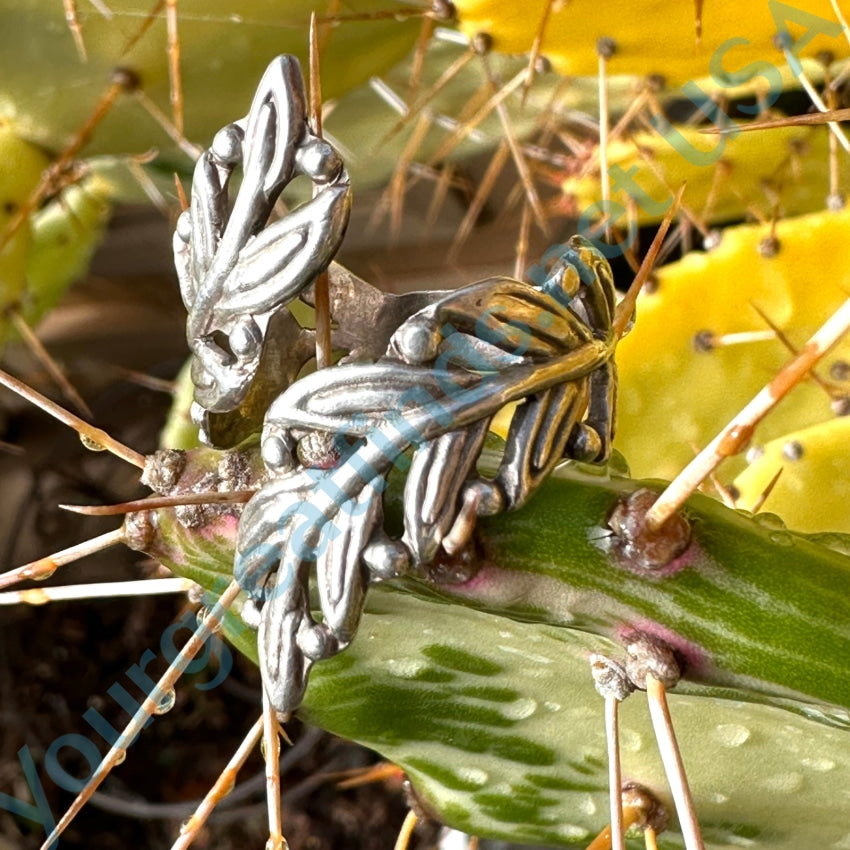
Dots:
{"x": 424, "y": 376}
{"x": 236, "y": 270}
{"x": 448, "y": 369}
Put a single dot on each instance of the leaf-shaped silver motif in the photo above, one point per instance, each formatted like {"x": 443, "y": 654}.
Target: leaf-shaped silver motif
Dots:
{"x": 235, "y": 271}
{"x": 432, "y": 497}
{"x": 449, "y": 368}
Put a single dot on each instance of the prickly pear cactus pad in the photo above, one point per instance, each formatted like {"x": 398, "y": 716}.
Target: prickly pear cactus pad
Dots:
{"x": 23, "y": 167}
{"x": 48, "y": 89}
{"x": 728, "y": 179}
{"x": 674, "y": 40}
{"x": 499, "y": 727}
{"x": 679, "y": 379}
{"x": 65, "y": 235}
{"x": 493, "y": 713}
{"x": 812, "y": 460}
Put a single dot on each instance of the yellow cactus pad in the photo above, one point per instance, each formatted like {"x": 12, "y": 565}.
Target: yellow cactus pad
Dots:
{"x": 727, "y": 177}
{"x": 23, "y": 165}
{"x": 64, "y": 236}
{"x": 681, "y": 396}
{"x": 654, "y": 37}
{"x": 814, "y": 489}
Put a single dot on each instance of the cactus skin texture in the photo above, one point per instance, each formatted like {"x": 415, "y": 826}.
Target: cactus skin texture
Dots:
{"x": 652, "y": 37}
{"x": 65, "y": 236}
{"x": 744, "y": 175}
{"x": 675, "y": 389}
{"x": 813, "y": 460}
{"x": 51, "y": 248}
{"x": 24, "y": 164}
{"x": 224, "y": 48}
